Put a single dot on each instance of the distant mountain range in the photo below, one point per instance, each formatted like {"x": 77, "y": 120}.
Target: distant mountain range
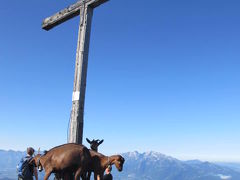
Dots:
{"x": 156, "y": 166}
{"x": 145, "y": 166}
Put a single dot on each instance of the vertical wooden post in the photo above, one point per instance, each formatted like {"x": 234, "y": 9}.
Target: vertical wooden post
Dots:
{"x": 85, "y": 8}
{"x": 80, "y": 77}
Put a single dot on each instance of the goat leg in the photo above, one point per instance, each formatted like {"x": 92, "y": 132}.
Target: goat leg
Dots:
{"x": 47, "y": 174}
{"x": 78, "y": 173}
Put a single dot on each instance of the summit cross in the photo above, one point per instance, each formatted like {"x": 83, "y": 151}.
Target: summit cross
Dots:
{"x": 84, "y": 8}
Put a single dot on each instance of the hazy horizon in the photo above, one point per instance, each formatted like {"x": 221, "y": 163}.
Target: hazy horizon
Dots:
{"x": 179, "y": 157}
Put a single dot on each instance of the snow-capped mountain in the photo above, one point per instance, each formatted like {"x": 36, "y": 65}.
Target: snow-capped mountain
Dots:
{"x": 157, "y": 166}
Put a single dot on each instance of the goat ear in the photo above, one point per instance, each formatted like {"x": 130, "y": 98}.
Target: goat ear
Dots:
{"x": 88, "y": 141}
{"x": 100, "y": 142}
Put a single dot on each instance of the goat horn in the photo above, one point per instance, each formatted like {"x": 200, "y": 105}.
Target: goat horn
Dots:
{"x": 88, "y": 141}
{"x": 101, "y": 141}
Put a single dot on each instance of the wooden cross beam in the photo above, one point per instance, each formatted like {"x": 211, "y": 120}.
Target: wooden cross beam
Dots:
{"x": 84, "y": 8}
{"x": 69, "y": 12}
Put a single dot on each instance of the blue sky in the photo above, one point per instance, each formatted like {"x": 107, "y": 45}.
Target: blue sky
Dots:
{"x": 162, "y": 76}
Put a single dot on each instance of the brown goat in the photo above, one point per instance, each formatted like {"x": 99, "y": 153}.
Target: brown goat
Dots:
{"x": 99, "y": 163}
{"x": 65, "y": 159}
{"x": 94, "y": 144}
